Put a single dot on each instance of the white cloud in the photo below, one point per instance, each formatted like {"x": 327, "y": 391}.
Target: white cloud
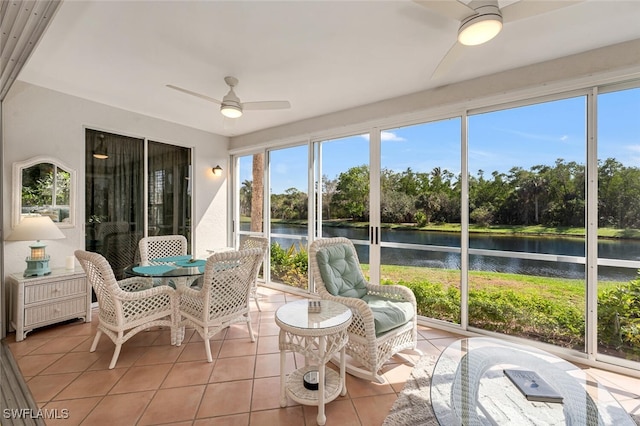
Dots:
{"x": 633, "y": 148}
{"x": 390, "y": 136}
{"x": 481, "y": 154}
{"x": 386, "y": 136}
{"x": 537, "y": 136}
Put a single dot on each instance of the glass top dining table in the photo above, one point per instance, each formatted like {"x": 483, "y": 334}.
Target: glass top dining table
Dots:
{"x": 168, "y": 267}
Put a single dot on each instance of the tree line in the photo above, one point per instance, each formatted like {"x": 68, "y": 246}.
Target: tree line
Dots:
{"x": 542, "y": 195}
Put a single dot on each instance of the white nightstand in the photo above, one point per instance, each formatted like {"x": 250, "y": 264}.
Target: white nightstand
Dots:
{"x": 39, "y": 301}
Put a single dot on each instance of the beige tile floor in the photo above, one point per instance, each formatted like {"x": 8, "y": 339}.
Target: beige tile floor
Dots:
{"x": 156, "y": 383}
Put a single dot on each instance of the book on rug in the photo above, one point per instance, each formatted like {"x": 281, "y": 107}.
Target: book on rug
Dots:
{"x": 532, "y": 386}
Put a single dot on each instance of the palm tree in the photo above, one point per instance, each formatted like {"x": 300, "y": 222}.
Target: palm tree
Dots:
{"x": 257, "y": 193}
{"x": 245, "y": 197}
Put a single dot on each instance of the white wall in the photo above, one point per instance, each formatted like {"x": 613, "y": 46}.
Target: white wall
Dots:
{"x": 37, "y": 121}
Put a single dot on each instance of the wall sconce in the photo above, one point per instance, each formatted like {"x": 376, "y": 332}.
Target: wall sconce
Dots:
{"x": 217, "y": 171}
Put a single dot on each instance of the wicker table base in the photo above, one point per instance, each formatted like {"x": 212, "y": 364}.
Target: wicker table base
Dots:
{"x": 317, "y": 336}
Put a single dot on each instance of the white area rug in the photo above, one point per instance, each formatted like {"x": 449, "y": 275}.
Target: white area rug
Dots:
{"x": 413, "y": 406}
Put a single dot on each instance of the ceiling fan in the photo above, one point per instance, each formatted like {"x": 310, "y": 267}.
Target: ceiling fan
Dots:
{"x": 481, "y": 20}
{"x": 230, "y": 105}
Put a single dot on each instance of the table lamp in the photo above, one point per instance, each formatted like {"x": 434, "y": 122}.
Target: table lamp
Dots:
{"x": 36, "y": 228}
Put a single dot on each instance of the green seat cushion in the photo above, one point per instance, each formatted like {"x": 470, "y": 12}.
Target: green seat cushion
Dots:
{"x": 388, "y": 314}
{"x": 340, "y": 271}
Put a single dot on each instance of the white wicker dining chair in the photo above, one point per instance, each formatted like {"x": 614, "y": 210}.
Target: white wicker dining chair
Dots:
{"x": 367, "y": 347}
{"x": 161, "y": 246}
{"x": 263, "y": 244}
{"x": 157, "y": 247}
{"x": 224, "y": 297}
{"x": 128, "y": 306}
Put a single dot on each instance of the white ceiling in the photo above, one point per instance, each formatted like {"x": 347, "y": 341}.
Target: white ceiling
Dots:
{"x": 322, "y": 56}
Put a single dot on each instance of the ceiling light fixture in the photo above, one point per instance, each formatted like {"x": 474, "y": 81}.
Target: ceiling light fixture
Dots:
{"x": 231, "y": 106}
{"x": 100, "y": 152}
{"x": 231, "y": 111}
{"x": 481, "y": 27}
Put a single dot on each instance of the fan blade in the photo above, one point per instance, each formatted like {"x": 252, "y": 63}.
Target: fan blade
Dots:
{"x": 448, "y": 61}
{"x": 525, "y": 9}
{"x": 189, "y": 92}
{"x": 450, "y": 8}
{"x": 266, "y": 105}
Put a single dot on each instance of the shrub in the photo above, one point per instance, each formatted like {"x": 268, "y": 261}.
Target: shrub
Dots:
{"x": 619, "y": 317}
{"x": 504, "y": 311}
{"x": 535, "y": 316}
{"x": 421, "y": 219}
{"x": 483, "y": 216}
{"x": 290, "y": 266}
{"x": 433, "y": 301}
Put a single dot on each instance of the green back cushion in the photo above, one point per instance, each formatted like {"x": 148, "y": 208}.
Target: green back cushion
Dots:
{"x": 341, "y": 272}
{"x": 388, "y": 314}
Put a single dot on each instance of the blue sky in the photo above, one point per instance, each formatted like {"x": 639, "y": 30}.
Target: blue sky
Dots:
{"x": 518, "y": 137}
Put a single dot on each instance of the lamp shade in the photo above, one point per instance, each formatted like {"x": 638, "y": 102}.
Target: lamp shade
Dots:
{"x": 35, "y": 228}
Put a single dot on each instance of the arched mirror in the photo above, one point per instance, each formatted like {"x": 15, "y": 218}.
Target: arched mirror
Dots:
{"x": 44, "y": 186}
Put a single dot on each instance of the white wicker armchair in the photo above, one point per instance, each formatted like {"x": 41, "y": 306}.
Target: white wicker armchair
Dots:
{"x": 128, "y": 306}
{"x": 364, "y": 346}
{"x": 263, "y": 244}
{"x": 224, "y": 297}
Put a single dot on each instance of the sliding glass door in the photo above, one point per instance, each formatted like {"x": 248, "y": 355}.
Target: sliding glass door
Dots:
{"x": 114, "y": 198}
{"x": 420, "y": 195}
{"x": 169, "y": 190}
{"x": 527, "y": 207}
{"x": 115, "y": 194}
{"x": 282, "y": 194}
{"x": 288, "y": 215}
{"x": 618, "y": 330}
{"x": 342, "y": 201}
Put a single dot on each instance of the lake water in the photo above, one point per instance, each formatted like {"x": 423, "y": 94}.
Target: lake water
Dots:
{"x": 611, "y": 249}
